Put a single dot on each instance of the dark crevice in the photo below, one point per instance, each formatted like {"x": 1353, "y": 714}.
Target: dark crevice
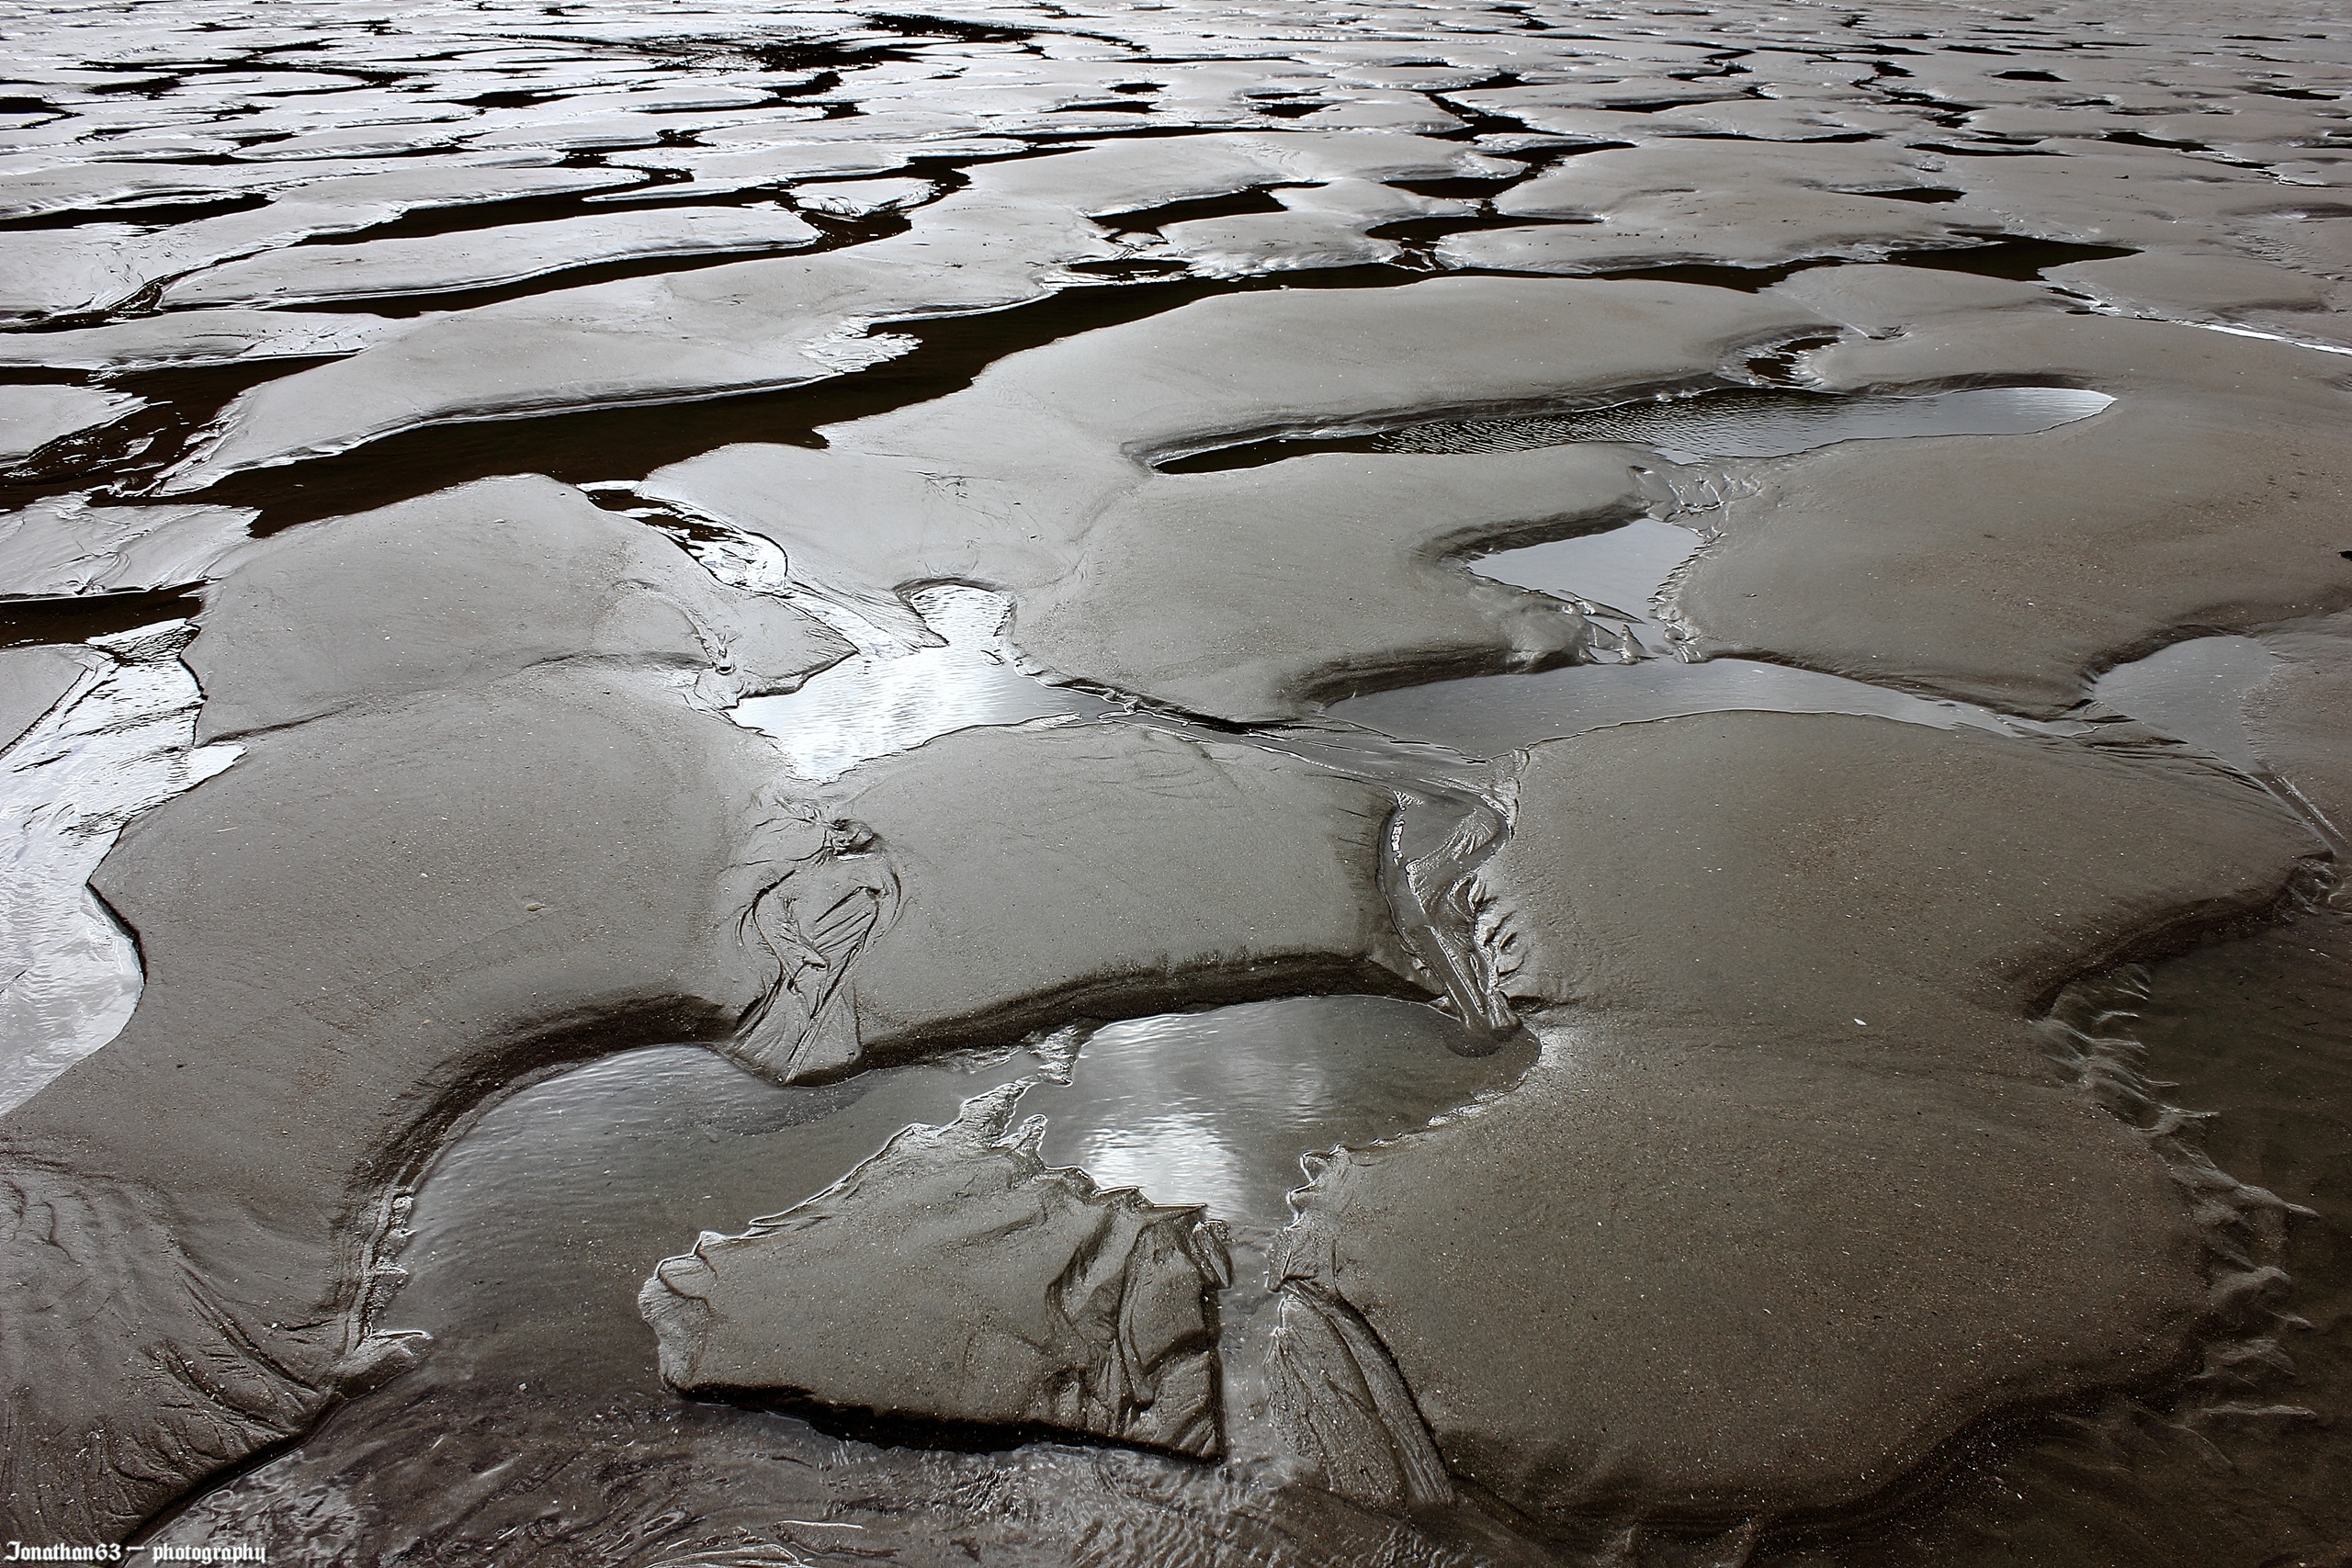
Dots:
{"x": 1239, "y": 204}
{"x": 69, "y": 618}
{"x": 1376, "y": 435}
{"x": 128, "y": 452}
{"x": 626, "y": 443}
{"x": 887, "y": 1430}
{"x": 2021, "y": 261}
{"x": 152, "y": 210}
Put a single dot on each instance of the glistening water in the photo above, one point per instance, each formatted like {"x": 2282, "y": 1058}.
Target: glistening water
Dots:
{"x": 1736, "y": 422}
{"x": 120, "y": 740}
{"x": 891, "y": 699}
{"x": 538, "y": 1424}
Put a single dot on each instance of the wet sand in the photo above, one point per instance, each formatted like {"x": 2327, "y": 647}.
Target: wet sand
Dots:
{"x": 1482, "y": 786}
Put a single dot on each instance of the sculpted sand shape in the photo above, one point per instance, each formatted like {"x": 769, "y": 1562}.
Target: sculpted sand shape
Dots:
{"x": 483, "y": 258}
{"x": 1023, "y": 1295}
{"x": 2210, "y": 497}
{"x": 333, "y": 986}
{"x": 552, "y": 861}
{"x": 470, "y": 584}
{"x": 1244, "y": 594}
{"x": 1715, "y": 1256}
{"x": 1736, "y": 204}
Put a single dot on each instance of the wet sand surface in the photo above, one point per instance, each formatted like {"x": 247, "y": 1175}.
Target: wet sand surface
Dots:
{"x": 1429, "y": 785}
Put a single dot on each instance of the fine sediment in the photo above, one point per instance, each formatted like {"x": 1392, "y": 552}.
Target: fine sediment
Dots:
{"x": 2209, "y": 497}
{"x": 1888, "y": 1215}
{"x": 1024, "y": 1296}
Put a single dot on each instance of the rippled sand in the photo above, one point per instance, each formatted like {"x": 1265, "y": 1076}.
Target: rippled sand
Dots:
{"x": 1437, "y": 785}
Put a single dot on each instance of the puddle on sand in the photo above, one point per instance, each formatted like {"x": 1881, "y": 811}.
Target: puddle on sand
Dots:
{"x": 534, "y": 1231}
{"x": 891, "y": 698}
{"x": 2194, "y": 690}
{"x": 1617, "y": 574}
{"x": 120, "y": 743}
{"x": 1215, "y": 1108}
{"x": 1725, "y": 422}
{"x": 537, "y": 1421}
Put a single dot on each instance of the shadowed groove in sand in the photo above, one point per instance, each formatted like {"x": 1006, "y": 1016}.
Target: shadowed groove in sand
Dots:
{"x": 586, "y": 447}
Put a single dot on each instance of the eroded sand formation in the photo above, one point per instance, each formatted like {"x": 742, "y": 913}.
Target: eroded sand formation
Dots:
{"x": 435, "y": 533}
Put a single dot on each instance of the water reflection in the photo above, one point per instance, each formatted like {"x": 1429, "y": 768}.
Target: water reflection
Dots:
{"x": 1618, "y": 572}
{"x": 121, "y": 742}
{"x": 893, "y": 699}
{"x": 536, "y": 1227}
{"x": 1215, "y": 1108}
{"x": 1488, "y": 715}
{"x": 1723, "y": 423}
{"x": 2194, "y": 690}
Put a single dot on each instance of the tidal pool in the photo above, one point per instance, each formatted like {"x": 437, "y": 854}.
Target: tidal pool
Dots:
{"x": 534, "y": 1230}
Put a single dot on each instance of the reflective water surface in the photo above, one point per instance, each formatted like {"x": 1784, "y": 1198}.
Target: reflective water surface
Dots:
{"x": 1742, "y": 423}
{"x": 116, "y": 743}
{"x": 896, "y": 698}
{"x": 534, "y": 1231}
{"x": 2194, "y": 690}
{"x": 1723, "y": 423}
